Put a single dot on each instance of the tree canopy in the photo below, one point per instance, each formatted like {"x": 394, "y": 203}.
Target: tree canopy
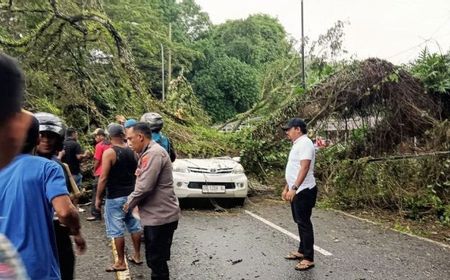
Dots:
{"x": 243, "y": 50}
{"x": 226, "y": 87}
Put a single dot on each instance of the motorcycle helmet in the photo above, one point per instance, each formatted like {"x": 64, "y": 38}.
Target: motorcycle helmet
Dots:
{"x": 154, "y": 120}
{"x": 51, "y": 123}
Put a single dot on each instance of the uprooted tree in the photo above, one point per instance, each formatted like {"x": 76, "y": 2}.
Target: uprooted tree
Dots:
{"x": 391, "y": 104}
{"x": 395, "y": 115}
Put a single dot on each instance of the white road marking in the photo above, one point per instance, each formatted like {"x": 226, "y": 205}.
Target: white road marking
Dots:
{"x": 120, "y": 275}
{"x": 405, "y": 233}
{"x": 288, "y": 233}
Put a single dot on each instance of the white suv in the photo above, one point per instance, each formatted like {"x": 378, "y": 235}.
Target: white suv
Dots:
{"x": 215, "y": 177}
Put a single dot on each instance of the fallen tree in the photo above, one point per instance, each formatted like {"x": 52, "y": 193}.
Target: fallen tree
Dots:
{"x": 369, "y": 89}
{"x": 370, "y": 169}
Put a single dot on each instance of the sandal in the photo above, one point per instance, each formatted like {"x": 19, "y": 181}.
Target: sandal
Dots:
{"x": 132, "y": 260}
{"x": 304, "y": 266}
{"x": 114, "y": 269}
{"x": 294, "y": 255}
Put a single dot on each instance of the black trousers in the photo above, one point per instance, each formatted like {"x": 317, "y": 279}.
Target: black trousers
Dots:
{"x": 301, "y": 207}
{"x": 66, "y": 255}
{"x": 94, "y": 212}
{"x": 158, "y": 240}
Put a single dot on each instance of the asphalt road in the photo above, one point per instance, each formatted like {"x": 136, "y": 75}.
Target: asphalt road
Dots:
{"x": 251, "y": 242}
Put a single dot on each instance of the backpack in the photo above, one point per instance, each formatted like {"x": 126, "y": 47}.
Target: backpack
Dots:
{"x": 165, "y": 143}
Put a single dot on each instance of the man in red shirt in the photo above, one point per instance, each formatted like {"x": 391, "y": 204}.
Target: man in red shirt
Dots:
{"x": 101, "y": 146}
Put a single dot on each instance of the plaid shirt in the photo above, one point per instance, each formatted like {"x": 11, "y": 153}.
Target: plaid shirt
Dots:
{"x": 11, "y": 267}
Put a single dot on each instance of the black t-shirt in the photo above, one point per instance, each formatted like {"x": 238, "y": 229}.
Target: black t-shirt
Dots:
{"x": 72, "y": 148}
{"x": 66, "y": 175}
{"x": 121, "y": 177}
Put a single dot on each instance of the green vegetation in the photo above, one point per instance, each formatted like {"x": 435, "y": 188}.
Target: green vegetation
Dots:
{"x": 235, "y": 58}
{"x": 88, "y": 61}
{"x": 434, "y": 71}
{"x": 366, "y": 169}
{"x": 226, "y": 87}
{"x": 415, "y": 187}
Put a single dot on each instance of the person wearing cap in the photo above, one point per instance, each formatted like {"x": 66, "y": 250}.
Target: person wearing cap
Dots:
{"x": 31, "y": 188}
{"x": 102, "y": 144}
{"x": 300, "y": 190}
{"x": 129, "y": 123}
{"x": 14, "y": 122}
{"x": 119, "y": 163}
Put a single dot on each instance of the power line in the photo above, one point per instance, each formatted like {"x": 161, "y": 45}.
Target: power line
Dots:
{"x": 409, "y": 49}
{"x": 431, "y": 38}
{"x": 440, "y": 27}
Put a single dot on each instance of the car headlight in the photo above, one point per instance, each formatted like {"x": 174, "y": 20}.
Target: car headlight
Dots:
{"x": 238, "y": 169}
{"x": 181, "y": 168}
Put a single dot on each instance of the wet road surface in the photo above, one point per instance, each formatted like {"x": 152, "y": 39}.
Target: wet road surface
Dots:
{"x": 237, "y": 245}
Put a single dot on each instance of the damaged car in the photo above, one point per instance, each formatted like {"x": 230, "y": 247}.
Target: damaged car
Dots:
{"x": 221, "y": 177}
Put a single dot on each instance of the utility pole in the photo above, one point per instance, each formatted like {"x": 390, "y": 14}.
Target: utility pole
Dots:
{"x": 162, "y": 73}
{"x": 303, "y": 52}
{"x": 169, "y": 63}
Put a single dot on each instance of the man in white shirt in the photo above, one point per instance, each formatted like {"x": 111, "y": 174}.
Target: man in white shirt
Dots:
{"x": 300, "y": 190}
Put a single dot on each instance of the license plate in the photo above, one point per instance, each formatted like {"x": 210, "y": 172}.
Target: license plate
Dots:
{"x": 213, "y": 189}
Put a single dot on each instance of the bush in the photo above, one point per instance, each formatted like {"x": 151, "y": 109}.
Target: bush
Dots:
{"x": 415, "y": 186}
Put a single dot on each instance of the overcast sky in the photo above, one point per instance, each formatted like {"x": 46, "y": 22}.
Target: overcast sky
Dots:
{"x": 395, "y": 30}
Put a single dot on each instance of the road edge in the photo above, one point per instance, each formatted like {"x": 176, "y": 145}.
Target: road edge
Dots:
{"x": 392, "y": 229}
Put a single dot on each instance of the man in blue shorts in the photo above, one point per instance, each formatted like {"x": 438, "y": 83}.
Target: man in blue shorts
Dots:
{"x": 118, "y": 167}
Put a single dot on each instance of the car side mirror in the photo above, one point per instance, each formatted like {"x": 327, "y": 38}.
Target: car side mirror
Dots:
{"x": 236, "y": 159}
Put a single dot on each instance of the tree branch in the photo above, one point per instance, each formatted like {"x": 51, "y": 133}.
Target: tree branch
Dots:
{"x": 34, "y": 34}
{"x": 16, "y": 10}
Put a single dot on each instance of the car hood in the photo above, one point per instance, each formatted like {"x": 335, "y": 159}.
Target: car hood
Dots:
{"x": 210, "y": 163}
